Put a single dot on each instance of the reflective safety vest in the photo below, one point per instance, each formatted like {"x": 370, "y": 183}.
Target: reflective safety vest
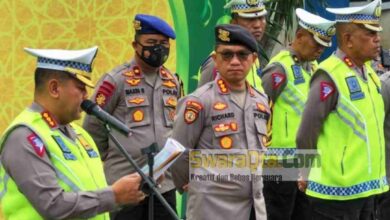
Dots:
{"x": 351, "y": 160}
{"x": 289, "y": 106}
{"x": 253, "y": 76}
{"x": 77, "y": 165}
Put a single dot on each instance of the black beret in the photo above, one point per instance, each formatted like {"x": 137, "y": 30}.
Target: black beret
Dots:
{"x": 231, "y": 34}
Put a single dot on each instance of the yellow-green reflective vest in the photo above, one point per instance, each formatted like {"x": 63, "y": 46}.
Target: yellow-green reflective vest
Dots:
{"x": 78, "y": 165}
{"x": 253, "y": 76}
{"x": 351, "y": 160}
{"x": 289, "y": 106}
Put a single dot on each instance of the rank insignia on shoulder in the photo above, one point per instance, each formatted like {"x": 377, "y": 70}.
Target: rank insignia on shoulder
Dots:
{"x": 277, "y": 80}
{"x": 169, "y": 84}
{"x": 165, "y": 74}
{"x": 354, "y": 88}
{"x": 348, "y": 62}
{"x": 226, "y": 142}
{"x": 129, "y": 73}
{"x": 104, "y": 92}
{"x": 327, "y": 89}
{"x": 222, "y": 86}
{"x": 136, "y": 100}
{"x": 137, "y": 72}
{"x": 133, "y": 82}
{"x": 298, "y": 76}
{"x": 138, "y": 115}
{"x": 37, "y": 144}
{"x": 49, "y": 119}
{"x": 220, "y": 106}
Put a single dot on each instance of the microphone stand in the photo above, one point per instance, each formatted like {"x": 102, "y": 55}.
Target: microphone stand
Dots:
{"x": 150, "y": 183}
{"x": 150, "y": 151}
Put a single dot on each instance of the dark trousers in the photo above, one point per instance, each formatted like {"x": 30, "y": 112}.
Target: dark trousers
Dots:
{"x": 284, "y": 201}
{"x": 140, "y": 212}
{"x": 383, "y": 206}
{"x": 356, "y": 209}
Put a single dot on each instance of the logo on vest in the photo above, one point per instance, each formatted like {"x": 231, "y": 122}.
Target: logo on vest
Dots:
{"x": 298, "y": 76}
{"x": 354, "y": 88}
{"x": 277, "y": 80}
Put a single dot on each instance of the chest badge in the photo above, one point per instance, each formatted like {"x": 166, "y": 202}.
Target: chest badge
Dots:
{"x": 354, "y": 88}
{"x": 138, "y": 115}
{"x": 137, "y": 100}
{"x": 219, "y": 106}
{"x": 226, "y": 142}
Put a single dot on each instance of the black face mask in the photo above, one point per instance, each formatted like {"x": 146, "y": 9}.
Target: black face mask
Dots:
{"x": 158, "y": 54}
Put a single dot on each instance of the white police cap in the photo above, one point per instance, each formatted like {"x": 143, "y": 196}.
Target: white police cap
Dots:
{"x": 76, "y": 62}
{"x": 321, "y": 28}
{"x": 247, "y": 8}
{"x": 368, "y": 15}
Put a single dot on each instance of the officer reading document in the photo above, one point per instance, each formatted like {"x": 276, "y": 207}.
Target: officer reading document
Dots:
{"x": 143, "y": 94}
{"x": 226, "y": 115}
{"x": 50, "y": 166}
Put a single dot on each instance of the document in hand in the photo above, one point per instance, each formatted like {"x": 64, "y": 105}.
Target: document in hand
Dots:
{"x": 165, "y": 158}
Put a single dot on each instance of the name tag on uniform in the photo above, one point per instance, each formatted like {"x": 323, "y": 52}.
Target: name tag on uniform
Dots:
{"x": 354, "y": 88}
{"x": 298, "y": 76}
{"x": 65, "y": 150}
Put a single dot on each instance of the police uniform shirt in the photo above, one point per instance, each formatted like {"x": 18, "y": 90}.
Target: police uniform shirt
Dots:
{"x": 273, "y": 93}
{"x": 316, "y": 110}
{"x": 211, "y": 118}
{"x": 36, "y": 178}
{"x": 385, "y": 90}
{"x": 146, "y": 107}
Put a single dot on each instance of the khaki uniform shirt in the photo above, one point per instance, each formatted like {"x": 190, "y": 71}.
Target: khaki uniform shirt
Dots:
{"x": 147, "y": 108}
{"x": 211, "y": 118}
{"x": 37, "y": 180}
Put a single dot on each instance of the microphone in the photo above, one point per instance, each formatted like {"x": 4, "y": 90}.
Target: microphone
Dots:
{"x": 92, "y": 108}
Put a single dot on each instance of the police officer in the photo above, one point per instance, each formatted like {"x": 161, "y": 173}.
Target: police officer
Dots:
{"x": 50, "y": 166}
{"x": 383, "y": 200}
{"x": 226, "y": 114}
{"x": 286, "y": 81}
{"x": 252, "y": 16}
{"x": 344, "y": 118}
{"x": 143, "y": 94}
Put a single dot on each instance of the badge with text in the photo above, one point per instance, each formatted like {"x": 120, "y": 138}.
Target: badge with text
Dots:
{"x": 355, "y": 91}
{"x": 37, "y": 144}
{"x": 298, "y": 76}
{"x": 327, "y": 89}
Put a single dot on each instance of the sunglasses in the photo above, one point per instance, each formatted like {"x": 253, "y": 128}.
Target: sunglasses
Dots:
{"x": 227, "y": 55}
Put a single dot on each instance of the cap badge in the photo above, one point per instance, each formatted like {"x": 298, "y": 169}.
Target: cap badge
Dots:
{"x": 223, "y": 35}
{"x": 331, "y": 31}
{"x": 378, "y": 11}
{"x": 252, "y": 2}
{"x": 137, "y": 25}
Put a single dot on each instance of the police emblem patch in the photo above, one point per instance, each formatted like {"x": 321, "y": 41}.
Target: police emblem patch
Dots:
{"x": 190, "y": 115}
{"x": 252, "y": 2}
{"x": 378, "y": 11}
{"x": 277, "y": 80}
{"x": 327, "y": 89}
{"x": 354, "y": 88}
{"x": 138, "y": 115}
{"x": 226, "y": 142}
{"x": 37, "y": 144}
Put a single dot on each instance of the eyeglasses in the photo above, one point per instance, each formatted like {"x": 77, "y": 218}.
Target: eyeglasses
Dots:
{"x": 227, "y": 55}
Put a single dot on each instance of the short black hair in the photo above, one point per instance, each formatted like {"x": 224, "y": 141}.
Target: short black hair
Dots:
{"x": 42, "y": 75}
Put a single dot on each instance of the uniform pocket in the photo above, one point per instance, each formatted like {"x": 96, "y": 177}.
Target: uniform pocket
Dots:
{"x": 169, "y": 109}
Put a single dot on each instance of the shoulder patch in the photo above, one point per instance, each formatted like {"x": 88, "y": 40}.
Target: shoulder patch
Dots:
{"x": 104, "y": 92}
{"x": 192, "y": 110}
{"x": 37, "y": 144}
{"x": 277, "y": 80}
{"x": 327, "y": 89}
